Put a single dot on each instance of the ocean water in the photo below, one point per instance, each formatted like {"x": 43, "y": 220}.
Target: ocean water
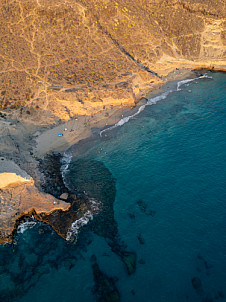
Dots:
{"x": 165, "y": 171}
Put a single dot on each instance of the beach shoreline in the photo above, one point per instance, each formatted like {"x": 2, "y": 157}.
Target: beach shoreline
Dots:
{"x": 48, "y": 141}
{"x": 37, "y": 142}
{"x": 34, "y": 142}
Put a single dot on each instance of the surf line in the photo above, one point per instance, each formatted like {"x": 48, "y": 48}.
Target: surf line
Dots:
{"x": 124, "y": 120}
{"x": 150, "y": 102}
{"x": 65, "y": 162}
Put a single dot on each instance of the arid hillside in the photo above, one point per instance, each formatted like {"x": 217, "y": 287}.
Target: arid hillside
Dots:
{"x": 57, "y": 56}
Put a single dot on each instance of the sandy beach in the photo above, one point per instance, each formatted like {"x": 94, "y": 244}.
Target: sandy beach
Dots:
{"x": 61, "y": 137}
{"x": 23, "y": 140}
{"x": 24, "y": 143}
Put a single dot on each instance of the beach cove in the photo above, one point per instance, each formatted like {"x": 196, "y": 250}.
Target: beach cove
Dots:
{"x": 157, "y": 204}
{"x": 112, "y": 150}
{"x": 30, "y": 143}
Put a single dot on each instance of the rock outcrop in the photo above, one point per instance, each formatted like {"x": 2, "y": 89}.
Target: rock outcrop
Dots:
{"x": 20, "y": 197}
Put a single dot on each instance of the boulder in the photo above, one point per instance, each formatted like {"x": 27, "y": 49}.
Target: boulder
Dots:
{"x": 64, "y": 196}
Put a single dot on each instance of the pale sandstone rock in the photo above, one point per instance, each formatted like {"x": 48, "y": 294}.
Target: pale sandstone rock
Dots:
{"x": 19, "y": 196}
{"x": 64, "y": 196}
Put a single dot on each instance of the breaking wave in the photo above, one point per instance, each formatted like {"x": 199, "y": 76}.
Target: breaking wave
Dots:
{"x": 183, "y": 82}
{"x": 152, "y": 101}
{"x": 65, "y": 162}
{"x": 25, "y": 226}
{"x": 123, "y": 120}
{"x": 72, "y": 233}
{"x": 158, "y": 98}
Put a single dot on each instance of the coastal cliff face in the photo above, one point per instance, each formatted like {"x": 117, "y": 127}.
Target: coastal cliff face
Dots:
{"x": 19, "y": 197}
{"x": 60, "y": 58}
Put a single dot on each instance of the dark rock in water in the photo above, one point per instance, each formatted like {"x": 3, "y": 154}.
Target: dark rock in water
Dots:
{"x": 61, "y": 221}
{"x": 92, "y": 182}
{"x": 197, "y": 285}
{"x": 105, "y": 288}
{"x": 129, "y": 259}
{"x": 151, "y": 213}
{"x": 68, "y": 264}
{"x": 106, "y": 254}
{"x": 50, "y": 167}
{"x": 141, "y": 239}
{"x": 93, "y": 259}
{"x": 44, "y": 254}
{"x": 144, "y": 208}
{"x": 142, "y": 205}
{"x": 133, "y": 292}
{"x": 202, "y": 264}
{"x": 93, "y": 178}
{"x": 142, "y": 261}
{"x": 131, "y": 216}
{"x": 220, "y": 294}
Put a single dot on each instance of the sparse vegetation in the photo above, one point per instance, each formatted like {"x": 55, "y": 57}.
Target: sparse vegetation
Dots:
{"x": 94, "y": 43}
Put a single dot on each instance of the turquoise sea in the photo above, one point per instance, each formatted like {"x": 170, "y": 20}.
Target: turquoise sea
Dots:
{"x": 164, "y": 170}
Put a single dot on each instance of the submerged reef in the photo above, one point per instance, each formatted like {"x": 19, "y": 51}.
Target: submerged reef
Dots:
{"x": 93, "y": 178}
{"x": 105, "y": 289}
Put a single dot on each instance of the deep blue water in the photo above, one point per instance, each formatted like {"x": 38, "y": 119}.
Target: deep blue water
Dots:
{"x": 169, "y": 168}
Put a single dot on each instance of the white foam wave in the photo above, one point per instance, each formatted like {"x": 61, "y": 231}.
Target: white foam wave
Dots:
{"x": 183, "y": 82}
{"x": 25, "y": 226}
{"x": 124, "y": 120}
{"x": 180, "y": 83}
{"x": 152, "y": 101}
{"x": 72, "y": 233}
{"x": 158, "y": 98}
{"x": 65, "y": 161}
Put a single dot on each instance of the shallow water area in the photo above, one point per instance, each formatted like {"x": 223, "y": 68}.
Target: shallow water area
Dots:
{"x": 167, "y": 167}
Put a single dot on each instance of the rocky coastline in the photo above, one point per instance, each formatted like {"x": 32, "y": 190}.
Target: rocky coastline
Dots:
{"x": 47, "y": 183}
{"x": 68, "y": 67}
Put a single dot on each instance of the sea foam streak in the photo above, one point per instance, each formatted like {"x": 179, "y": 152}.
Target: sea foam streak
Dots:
{"x": 123, "y": 120}
{"x": 158, "y": 98}
{"x": 152, "y": 101}
{"x": 180, "y": 83}
{"x": 65, "y": 161}
{"x": 72, "y": 233}
{"x": 25, "y": 226}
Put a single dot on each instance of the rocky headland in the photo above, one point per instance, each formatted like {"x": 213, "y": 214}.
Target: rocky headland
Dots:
{"x": 77, "y": 65}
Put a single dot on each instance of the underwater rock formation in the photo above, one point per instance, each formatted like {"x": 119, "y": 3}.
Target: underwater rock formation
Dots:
{"x": 105, "y": 288}
{"x": 93, "y": 178}
{"x": 197, "y": 285}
